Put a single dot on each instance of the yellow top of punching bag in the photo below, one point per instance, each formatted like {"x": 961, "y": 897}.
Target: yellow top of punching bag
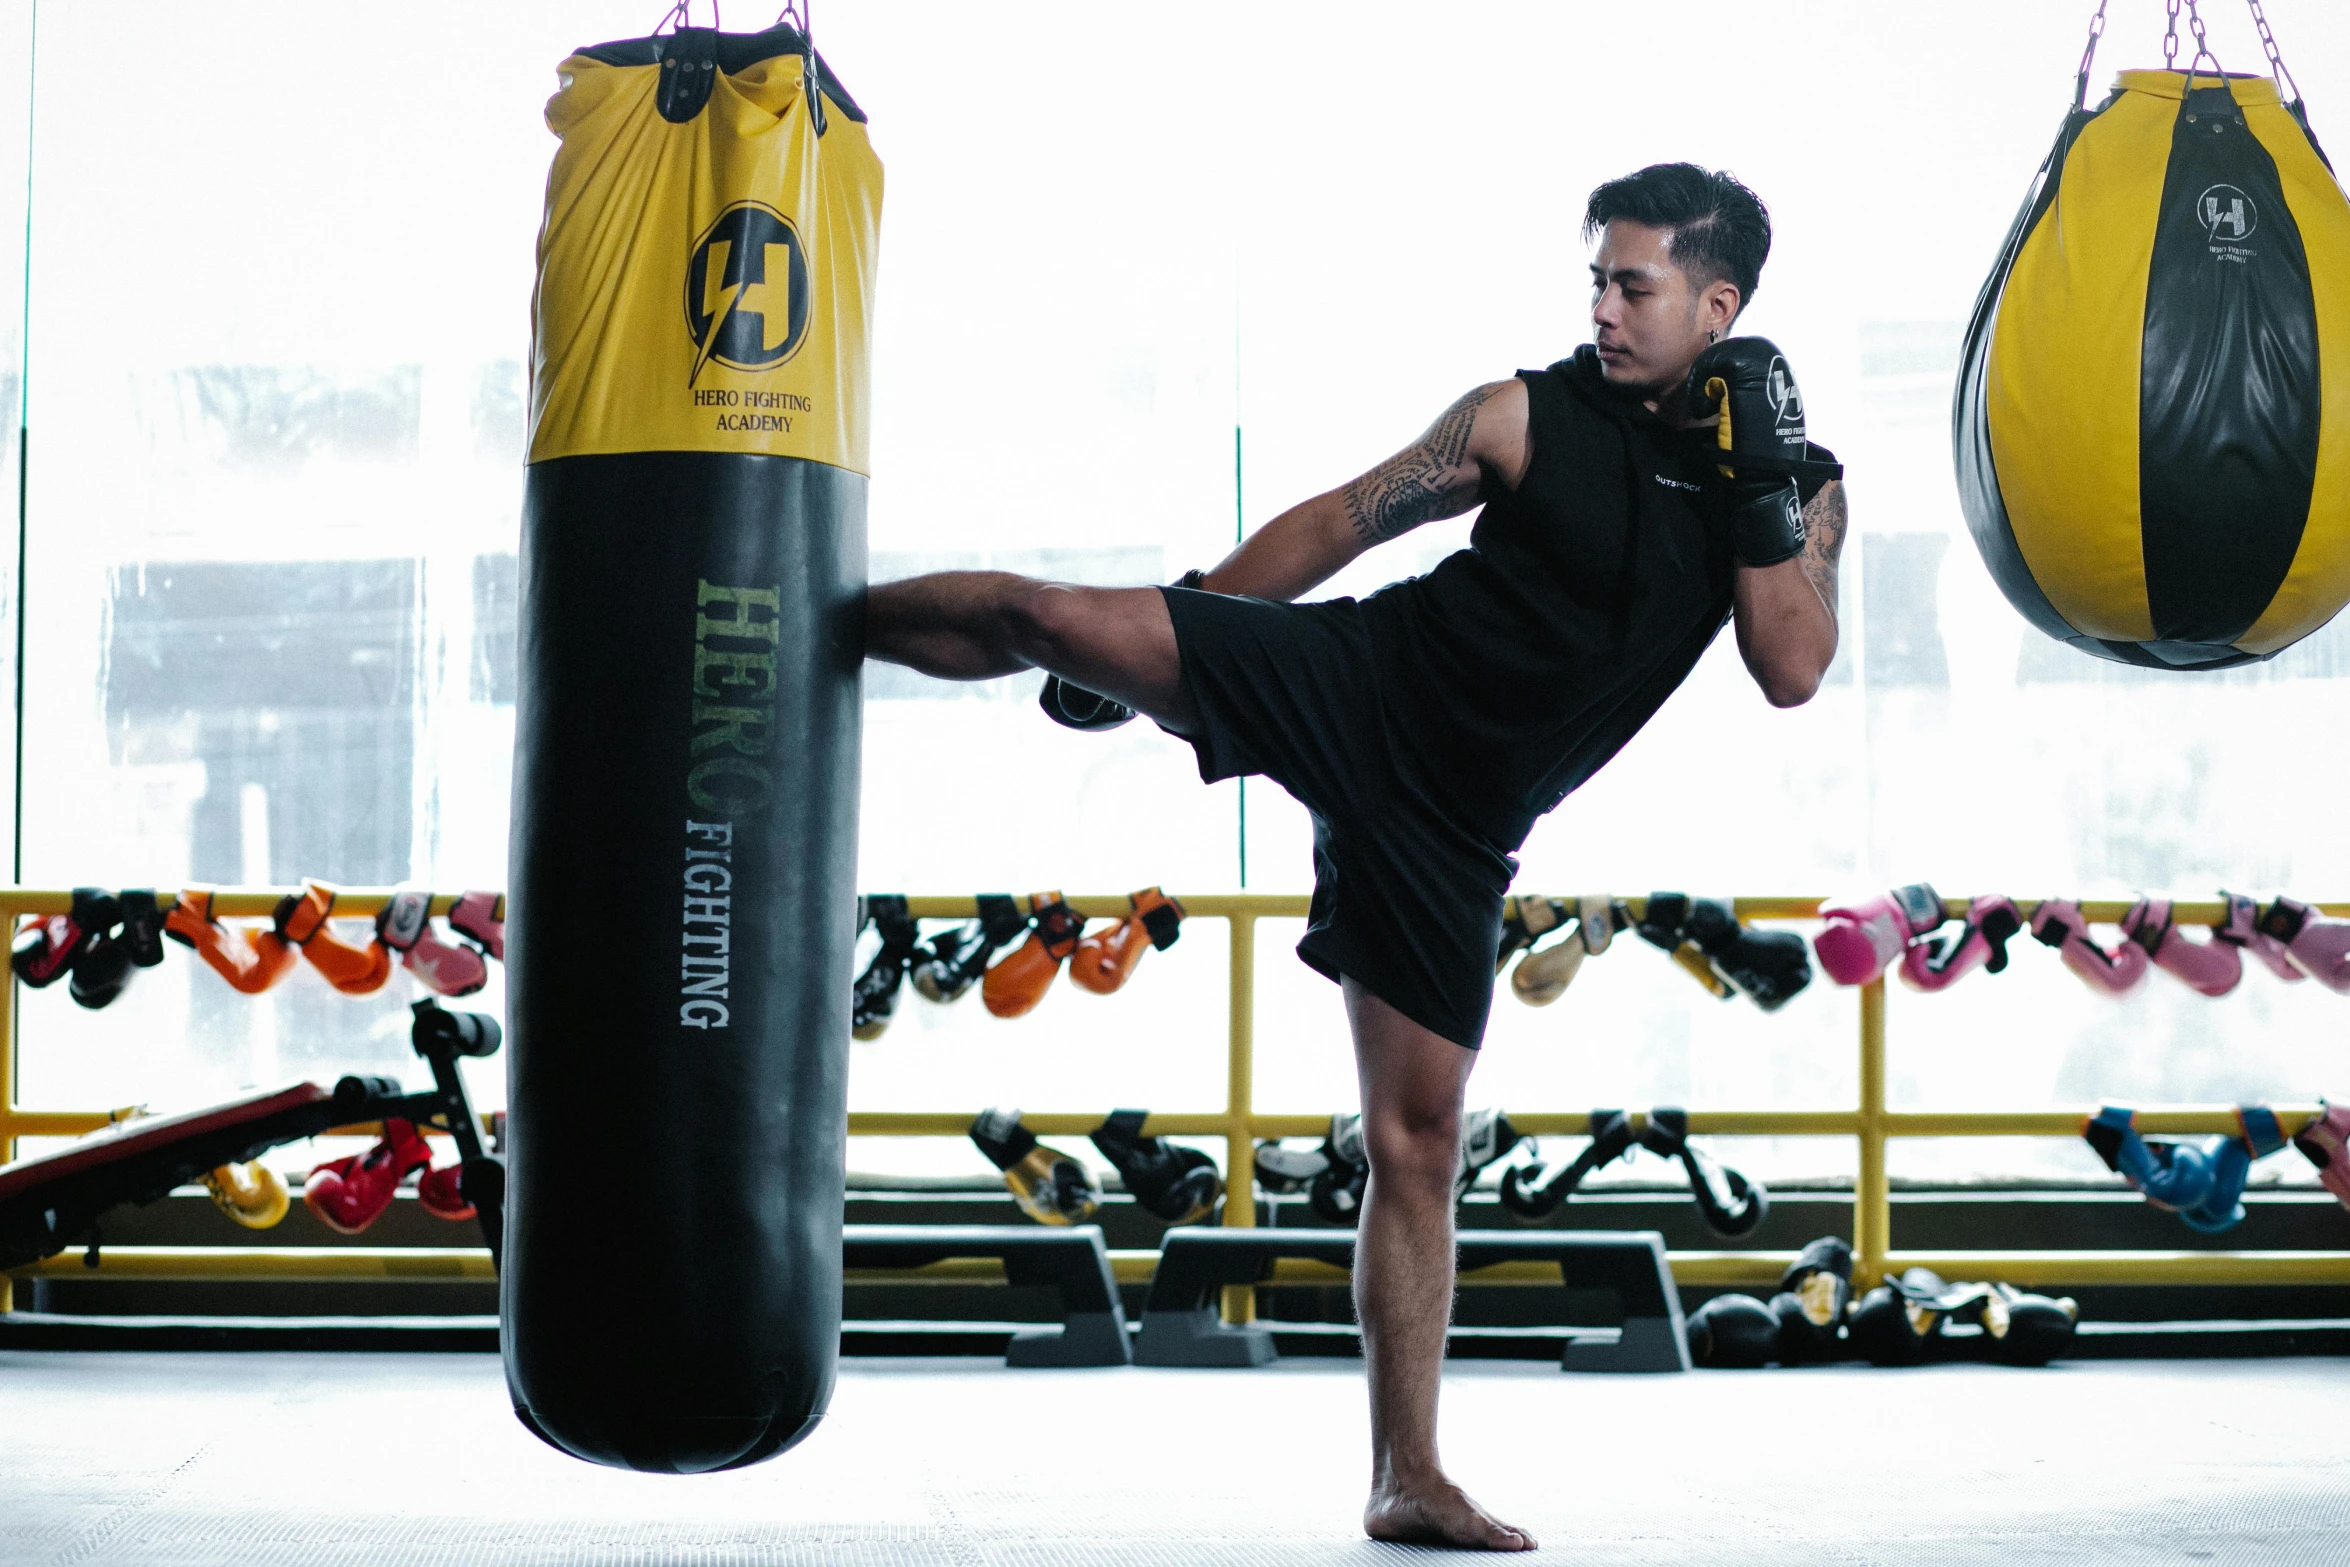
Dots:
{"x": 704, "y": 286}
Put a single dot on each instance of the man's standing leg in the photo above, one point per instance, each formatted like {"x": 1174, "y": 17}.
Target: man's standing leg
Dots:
{"x": 1413, "y": 1082}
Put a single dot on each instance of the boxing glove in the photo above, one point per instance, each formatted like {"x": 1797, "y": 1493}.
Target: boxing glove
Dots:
{"x": 1049, "y": 1186}
{"x": 1729, "y": 1203}
{"x": 301, "y": 919}
{"x": 1336, "y": 1195}
{"x": 2026, "y": 1329}
{"x": 1526, "y": 919}
{"x": 1939, "y": 962}
{"x": 954, "y": 959}
{"x": 2318, "y": 946}
{"x": 1014, "y": 986}
{"x": 1531, "y": 1192}
{"x": 47, "y": 946}
{"x": 2241, "y": 930}
{"x": 1746, "y": 385}
{"x": 2325, "y": 1142}
{"x": 480, "y": 917}
{"x": 103, "y": 968}
{"x": 1661, "y": 925}
{"x": 251, "y": 1193}
{"x": 1169, "y": 1182}
{"x": 1542, "y": 976}
{"x": 441, "y": 1193}
{"x": 1733, "y": 1332}
{"x": 1770, "y": 967}
{"x": 2213, "y": 967}
{"x": 1814, "y": 1294}
{"x": 2057, "y": 923}
{"x": 250, "y": 960}
{"x": 2202, "y": 1184}
{"x": 1486, "y": 1136}
{"x": 350, "y": 1194}
{"x": 1866, "y": 936}
{"x": 1074, "y": 707}
{"x": 875, "y": 998}
{"x": 444, "y": 968}
{"x": 1105, "y": 960}
{"x": 1284, "y": 1172}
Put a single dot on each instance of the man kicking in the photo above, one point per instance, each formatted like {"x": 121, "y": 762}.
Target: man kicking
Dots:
{"x": 1428, "y": 726}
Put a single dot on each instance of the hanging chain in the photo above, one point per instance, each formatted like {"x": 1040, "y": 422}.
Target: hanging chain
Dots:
{"x": 2089, "y": 53}
{"x": 2170, "y": 38}
{"x": 2194, "y": 20}
{"x": 2276, "y": 62}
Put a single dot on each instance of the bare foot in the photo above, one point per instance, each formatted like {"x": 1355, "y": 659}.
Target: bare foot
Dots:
{"x": 1437, "y": 1512}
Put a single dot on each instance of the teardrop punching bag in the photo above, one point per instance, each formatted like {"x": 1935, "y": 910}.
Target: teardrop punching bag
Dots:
{"x": 2152, "y": 421}
{"x": 682, "y": 886}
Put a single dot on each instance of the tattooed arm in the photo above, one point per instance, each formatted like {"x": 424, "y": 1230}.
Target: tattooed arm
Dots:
{"x": 1439, "y": 475}
{"x": 1786, "y": 614}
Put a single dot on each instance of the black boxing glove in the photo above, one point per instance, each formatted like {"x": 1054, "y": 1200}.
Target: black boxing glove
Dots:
{"x": 1745, "y": 383}
{"x": 1073, "y": 707}
{"x": 1768, "y": 966}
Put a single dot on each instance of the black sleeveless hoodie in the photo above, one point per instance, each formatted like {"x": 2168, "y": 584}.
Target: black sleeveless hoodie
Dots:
{"x": 1521, "y": 664}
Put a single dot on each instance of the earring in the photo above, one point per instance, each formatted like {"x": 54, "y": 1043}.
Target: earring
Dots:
{"x": 1713, "y": 334}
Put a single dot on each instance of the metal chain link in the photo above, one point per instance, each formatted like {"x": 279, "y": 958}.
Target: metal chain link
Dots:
{"x": 2170, "y": 38}
{"x": 2276, "y": 61}
{"x": 2089, "y": 53}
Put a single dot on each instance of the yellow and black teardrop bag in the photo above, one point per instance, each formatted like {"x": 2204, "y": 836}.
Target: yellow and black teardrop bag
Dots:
{"x": 684, "y": 839}
{"x": 2152, "y": 421}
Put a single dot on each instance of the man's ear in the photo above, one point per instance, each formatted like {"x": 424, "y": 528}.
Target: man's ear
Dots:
{"x": 1718, "y": 305}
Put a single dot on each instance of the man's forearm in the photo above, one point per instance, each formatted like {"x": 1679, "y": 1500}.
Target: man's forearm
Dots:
{"x": 1787, "y": 624}
{"x": 1293, "y": 554}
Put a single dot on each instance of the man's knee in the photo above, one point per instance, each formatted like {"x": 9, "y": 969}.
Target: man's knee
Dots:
{"x": 1412, "y": 1144}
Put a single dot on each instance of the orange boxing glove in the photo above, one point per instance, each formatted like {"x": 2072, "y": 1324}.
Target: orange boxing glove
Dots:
{"x": 302, "y": 919}
{"x": 1105, "y": 960}
{"x": 251, "y": 961}
{"x": 1018, "y": 983}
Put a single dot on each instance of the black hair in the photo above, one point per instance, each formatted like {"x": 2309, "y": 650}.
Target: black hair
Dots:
{"x": 1721, "y": 231}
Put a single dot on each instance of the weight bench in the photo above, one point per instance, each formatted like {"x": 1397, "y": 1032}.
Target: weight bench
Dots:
{"x": 1072, "y": 1262}
{"x": 54, "y": 1200}
{"x": 1181, "y": 1326}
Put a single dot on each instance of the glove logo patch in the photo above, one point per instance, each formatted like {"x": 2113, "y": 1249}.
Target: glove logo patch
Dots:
{"x": 746, "y": 294}
{"x": 1786, "y": 400}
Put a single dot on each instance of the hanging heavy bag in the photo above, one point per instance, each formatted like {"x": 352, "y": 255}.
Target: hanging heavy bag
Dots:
{"x": 685, "y": 773}
{"x": 2152, "y": 417}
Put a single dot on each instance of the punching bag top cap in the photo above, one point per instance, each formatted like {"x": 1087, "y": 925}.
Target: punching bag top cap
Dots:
{"x": 2246, "y": 90}
{"x": 732, "y": 53}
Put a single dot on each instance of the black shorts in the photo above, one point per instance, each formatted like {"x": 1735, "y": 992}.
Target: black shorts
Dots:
{"x": 1407, "y": 899}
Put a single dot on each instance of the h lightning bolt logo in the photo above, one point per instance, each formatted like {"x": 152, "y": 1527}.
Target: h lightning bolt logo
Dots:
{"x": 750, "y": 264}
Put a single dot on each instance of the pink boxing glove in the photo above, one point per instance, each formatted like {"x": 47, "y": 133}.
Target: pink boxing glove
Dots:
{"x": 2058, "y": 923}
{"x": 2242, "y": 929}
{"x": 2318, "y": 946}
{"x": 2325, "y": 1142}
{"x": 1867, "y": 936}
{"x": 1981, "y": 942}
{"x": 480, "y": 917}
{"x": 445, "y": 969}
{"x": 2214, "y": 967}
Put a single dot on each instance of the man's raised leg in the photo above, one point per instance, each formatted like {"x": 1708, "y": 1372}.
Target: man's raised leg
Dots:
{"x": 977, "y": 625}
{"x": 1412, "y": 1084}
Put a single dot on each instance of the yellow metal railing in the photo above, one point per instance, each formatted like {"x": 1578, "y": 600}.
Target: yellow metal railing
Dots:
{"x": 1240, "y": 1125}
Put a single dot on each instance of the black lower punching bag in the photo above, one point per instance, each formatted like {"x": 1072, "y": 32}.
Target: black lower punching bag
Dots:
{"x": 682, "y": 893}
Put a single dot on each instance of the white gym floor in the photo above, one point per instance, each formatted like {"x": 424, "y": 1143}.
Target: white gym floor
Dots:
{"x": 265, "y": 1459}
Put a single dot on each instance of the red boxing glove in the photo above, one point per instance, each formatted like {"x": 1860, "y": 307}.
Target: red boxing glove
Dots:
{"x": 350, "y": 1194}
{"x": 480, "y": 917}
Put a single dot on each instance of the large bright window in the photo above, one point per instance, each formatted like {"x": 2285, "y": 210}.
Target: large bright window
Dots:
{"x": 1147, "y": 278}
